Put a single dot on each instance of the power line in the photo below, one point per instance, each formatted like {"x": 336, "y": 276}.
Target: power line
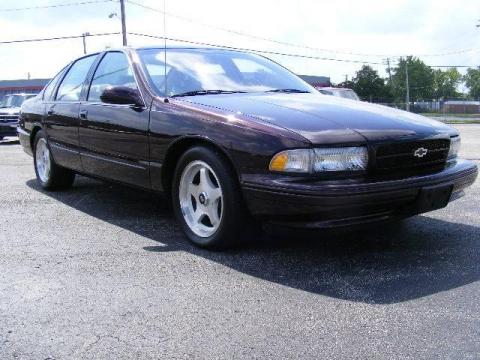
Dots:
{"x": 256, "y": 50}
{"x": 241, "y": 33}
{"x": 216, "y": 46}
{"x": 452, "y": 66}
{"x": 57, "y": 5}
{"x": 235, "y": 32}
{"x": 446, "y": 66}
{"x": 57, "y": 38}
{"x": 280, "y": 53}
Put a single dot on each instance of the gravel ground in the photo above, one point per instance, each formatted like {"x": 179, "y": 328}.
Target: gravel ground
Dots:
{"x": 102, "y": 271}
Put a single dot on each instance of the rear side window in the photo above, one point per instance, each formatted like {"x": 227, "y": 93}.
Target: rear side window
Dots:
{"x": 50, "y": 88}
{"x": 72, "y": 83}
{"x": 113, "y": 70}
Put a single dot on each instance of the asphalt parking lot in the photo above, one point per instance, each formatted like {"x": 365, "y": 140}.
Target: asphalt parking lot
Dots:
{"x": 102, "y": 271}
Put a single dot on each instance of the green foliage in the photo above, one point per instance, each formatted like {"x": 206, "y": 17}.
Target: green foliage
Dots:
{"x": 421, "y": 79}
{"x": 445, "y": 83}
{"x": 370, "y": 86}
{"x": 425, "y": 83}
{"x": 472, "y": 82}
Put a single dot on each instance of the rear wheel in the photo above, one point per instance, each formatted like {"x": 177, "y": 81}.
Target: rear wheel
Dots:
{"x": 207, "y": 199}
{"x": 50, "y": 176}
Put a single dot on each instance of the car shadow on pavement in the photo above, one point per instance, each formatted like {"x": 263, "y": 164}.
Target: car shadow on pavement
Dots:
{"x": 389, "y": 264}
{"x": 7, "y": 141}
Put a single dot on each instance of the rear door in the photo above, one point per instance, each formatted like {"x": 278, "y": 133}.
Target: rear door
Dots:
{"x": 114, "y": 138}
{"x": 61, "y": 114}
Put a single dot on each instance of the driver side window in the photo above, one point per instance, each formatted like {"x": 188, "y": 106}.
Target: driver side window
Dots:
{"x": 113, "y": 70}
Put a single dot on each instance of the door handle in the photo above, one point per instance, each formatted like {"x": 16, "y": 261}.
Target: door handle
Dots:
{"x": 83, "y": 114}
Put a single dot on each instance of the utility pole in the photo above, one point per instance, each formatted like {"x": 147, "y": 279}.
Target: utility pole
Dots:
{"x": 389, "y": 71}
{"x": 84, "y": 35}
{"x": 124, "y": 26}
{"x": 407, "y": 97}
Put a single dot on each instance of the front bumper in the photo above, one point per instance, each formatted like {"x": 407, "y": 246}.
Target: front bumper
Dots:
{"x": 323, "y": 204}
{"x": 8, "y": 128}
{"x": 24, "y": 137}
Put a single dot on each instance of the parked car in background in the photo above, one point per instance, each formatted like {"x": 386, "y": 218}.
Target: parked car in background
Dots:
{"x": 227, "y": 135}
{"x": 9, "y": 111}
{"x": 340, "y": 92}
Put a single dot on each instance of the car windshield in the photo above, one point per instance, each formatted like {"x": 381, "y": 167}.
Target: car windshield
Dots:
{"x": 13, "y": 100}
{"x": 213, "y": 71}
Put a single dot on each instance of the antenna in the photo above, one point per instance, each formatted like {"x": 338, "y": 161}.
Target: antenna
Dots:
{"x": 165, "y": 47}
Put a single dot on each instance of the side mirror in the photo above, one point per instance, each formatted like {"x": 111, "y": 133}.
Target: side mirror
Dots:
{"x": 121, "y": 95}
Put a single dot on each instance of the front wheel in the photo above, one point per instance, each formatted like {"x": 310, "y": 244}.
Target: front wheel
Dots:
{"x": 50, "y": 176}
{"x": 207, "y": 200}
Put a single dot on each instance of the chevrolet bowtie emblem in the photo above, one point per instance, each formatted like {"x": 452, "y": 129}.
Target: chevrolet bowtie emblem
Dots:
{"x": 420, "y": 152}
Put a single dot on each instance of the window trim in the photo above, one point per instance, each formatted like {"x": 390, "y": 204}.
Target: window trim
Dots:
{"x": 92, "y": 76}
{"x": 69, "y": 67}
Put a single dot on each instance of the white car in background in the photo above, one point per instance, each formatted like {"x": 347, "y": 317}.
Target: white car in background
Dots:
{"x": 339, "y": 92}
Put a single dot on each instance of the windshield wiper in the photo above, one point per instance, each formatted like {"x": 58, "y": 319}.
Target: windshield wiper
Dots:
{"x": 298, "y": 91}
{"x": 207, "y": 92}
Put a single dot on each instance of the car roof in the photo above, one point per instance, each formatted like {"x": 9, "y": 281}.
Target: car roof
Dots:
{"x": 170, "y": 47}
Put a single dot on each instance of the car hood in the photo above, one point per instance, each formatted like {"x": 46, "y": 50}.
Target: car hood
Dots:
{"x": 10, "y": 111}
{"x": 326, "y": 119}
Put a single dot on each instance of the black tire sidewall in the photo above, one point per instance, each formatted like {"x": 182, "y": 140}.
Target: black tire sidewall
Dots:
{"x": 233, "y": 212}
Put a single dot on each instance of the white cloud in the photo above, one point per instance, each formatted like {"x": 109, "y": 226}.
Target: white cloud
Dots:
{"x": 368, "y": 26}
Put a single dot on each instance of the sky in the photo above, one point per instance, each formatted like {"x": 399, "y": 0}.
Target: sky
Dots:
{"x": 366, "y": 31}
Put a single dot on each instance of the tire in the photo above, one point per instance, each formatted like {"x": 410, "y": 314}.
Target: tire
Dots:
{"x": 207, "y": 200}
{"x": 50, "y": 176}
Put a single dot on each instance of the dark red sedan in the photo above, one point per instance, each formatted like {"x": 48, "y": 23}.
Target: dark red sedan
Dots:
{"x": 228, "y": 136}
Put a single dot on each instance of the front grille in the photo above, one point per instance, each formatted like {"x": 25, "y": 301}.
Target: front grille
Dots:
{"x": 399, "y": 158}
{"x": 8, "y": 118}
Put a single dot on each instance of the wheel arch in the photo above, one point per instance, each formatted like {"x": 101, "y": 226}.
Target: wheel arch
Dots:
{"x": 178, "y": 147}
{"x": 35, "y": 129}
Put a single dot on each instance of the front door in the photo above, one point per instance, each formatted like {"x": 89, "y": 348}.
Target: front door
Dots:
{"x": 114, "y": 138}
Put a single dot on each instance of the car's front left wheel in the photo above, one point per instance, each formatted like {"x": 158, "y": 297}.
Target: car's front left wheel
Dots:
{"x": 207, "y": 200}
{"x": 50, "y": 176}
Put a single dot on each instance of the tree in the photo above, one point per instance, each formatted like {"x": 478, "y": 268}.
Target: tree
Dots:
{"x": 472, "y": 82}
{"x": 420, "y": 78}
{"x": 370, "y": 86}
{"x": 445, "y": 83}
{"x": 348, "y": 84}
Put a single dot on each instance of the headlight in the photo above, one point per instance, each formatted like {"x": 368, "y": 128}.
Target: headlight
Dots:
{"x": 454, "y": 147}
{"x": 320, "y": 160}
{"x": 340, "y": 159}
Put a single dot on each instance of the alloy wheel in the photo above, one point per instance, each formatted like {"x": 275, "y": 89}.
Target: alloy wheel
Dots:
{"x": 42, "y": 160}
{"x": 201, "y": 198}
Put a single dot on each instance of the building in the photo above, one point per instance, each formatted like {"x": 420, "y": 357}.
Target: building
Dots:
{"x": 31, "y": 86}
{"x": 317, "y": 81}
{"x": 461, "y": 107}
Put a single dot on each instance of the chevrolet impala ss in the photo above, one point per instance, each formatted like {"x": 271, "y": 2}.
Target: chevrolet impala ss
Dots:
{"x": 230, "y": 136}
